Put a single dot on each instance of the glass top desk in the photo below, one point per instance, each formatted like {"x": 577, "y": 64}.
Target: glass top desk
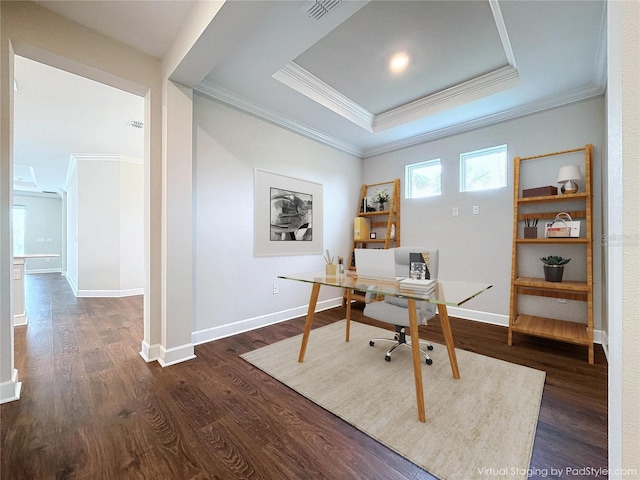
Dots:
{"x": 446, "y": 293}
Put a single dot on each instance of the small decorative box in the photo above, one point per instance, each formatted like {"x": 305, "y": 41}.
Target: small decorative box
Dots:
{"x": 540, "y": 191}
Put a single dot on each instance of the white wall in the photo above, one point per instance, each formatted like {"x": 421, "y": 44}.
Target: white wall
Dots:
{"x": 72, "y": 229}
{"x": 131, "y": 226}
{"x": 233, "y": 288}
{"x": 105, "y": 220}
{"x": 43, "y": 231}
{"x": 478, "y": 247}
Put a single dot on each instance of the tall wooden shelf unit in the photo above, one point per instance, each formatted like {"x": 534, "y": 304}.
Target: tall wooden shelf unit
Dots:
{"x": 380, "y": 220}
{"x": 539, "y": 207}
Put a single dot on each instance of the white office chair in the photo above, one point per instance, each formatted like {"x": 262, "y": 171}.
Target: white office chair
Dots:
{"x": 393, "y": 310}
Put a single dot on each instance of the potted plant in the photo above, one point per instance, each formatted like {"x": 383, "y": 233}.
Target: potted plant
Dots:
{"x": 380, "y": 197}
{"x": 554, "y": 267}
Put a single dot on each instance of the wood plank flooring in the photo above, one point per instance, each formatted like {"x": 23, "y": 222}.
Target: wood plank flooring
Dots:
{"x": 91, "y": 408}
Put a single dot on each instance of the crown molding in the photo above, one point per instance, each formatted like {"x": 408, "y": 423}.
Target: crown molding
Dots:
{"x": 74, "y": 158}
{"x": 258, "y": 111}
{"x": 236, "y": 101}
{"x": 573, "y": 96}
{"x": 302, "y": 81}
{"x": 466, "y": 92}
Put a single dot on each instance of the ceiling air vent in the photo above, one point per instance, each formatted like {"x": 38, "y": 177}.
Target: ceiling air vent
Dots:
{"x": 135, "y": 124}
{"x": 316, "y": 9}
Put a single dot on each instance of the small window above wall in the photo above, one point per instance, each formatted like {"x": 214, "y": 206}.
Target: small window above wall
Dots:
{"x": 423, "y": 179}
{"x": 483, "y": 169}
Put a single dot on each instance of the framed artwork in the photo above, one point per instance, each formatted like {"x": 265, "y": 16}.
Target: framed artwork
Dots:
{"x": 287, "y": 215}
{"x": 372, "y": 235}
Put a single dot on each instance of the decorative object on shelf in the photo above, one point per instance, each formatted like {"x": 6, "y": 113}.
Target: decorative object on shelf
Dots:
{"x": 554, "y": 267}
{"x": 568, "y": 175}
{"x": 563, "y": 226}
{"x": 381, "y": 197}
{"x": 530, "y": 228}
{"x": 540, "y": 191}
{"x": 361, "y": 228}
{"x": 372, "y": 235}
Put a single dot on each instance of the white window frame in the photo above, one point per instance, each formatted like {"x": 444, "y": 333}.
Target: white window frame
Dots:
{"x": 477, "y": 154}
{"x": 409, "y": 171}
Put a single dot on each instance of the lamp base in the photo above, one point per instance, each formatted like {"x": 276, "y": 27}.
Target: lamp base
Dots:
{"x": 569, "y": 187}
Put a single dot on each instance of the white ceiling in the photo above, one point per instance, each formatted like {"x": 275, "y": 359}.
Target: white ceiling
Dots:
{"x": 472, "y": 63}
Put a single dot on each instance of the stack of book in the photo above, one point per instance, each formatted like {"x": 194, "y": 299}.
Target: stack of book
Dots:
{"x": 421, "y": 286}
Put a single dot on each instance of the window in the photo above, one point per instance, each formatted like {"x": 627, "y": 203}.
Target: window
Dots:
{"x": 483, "y": 169}
{"x": 423, "y": 179}
{"x": 18, "y": 229}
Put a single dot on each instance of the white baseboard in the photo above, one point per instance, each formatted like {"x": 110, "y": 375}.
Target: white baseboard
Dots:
{"x": 150, "y": 353}
{"x": 10, "y": 390}
{"x": 478, "y": 316}
{"x": 33, "y": 271}
{"x": 102, "y": 293}
{"x": 72, "y": 284}
{"x": 174, "y": 355}
{"x": 109, "y": 293}
{"x": 215, "y": 333}
{"x": 20, "y": 319}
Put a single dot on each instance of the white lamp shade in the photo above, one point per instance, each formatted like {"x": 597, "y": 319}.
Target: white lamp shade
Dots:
{"x": 569, "y": 173}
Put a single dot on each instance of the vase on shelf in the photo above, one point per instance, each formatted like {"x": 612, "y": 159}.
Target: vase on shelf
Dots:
{"x": 382, "y": 207}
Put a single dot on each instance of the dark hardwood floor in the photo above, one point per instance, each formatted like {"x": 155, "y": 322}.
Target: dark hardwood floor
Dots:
{"x": 91, "y": 408}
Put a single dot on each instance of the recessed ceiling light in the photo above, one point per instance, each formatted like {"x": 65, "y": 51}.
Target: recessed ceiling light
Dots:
{"x": 399, "y": 62}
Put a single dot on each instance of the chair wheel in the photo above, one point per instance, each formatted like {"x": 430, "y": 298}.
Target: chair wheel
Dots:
{"x": 429, "y": 347}
{"x": 371, "y": 343}
{"x": 429, "y": 361}
{"x": 387, "y": 358}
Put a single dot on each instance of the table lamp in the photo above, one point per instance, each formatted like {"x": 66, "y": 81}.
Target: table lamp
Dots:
{"x": 568, "y": 175}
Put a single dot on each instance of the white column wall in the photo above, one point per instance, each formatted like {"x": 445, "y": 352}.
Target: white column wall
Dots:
{"x": 177, "y": 226}
{"x": 131, "y": 227}
{"x": 9, "y": 384}
{"x": 623, "y": 238}
{"x": 98, "y": 227}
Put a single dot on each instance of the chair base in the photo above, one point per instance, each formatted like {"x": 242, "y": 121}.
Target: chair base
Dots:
{"x": 400, "y": 339}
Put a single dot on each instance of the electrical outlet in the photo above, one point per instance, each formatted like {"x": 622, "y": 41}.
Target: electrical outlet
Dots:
{"x": 476, "y": 210}
{"x": 455, "y": 211}
{"x": 276, "y": 289}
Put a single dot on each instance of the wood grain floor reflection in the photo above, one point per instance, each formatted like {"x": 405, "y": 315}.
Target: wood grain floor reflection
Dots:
{"x": 91, "y": 408}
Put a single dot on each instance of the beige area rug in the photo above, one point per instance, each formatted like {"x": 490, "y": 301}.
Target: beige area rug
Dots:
{"x": 480, "y": 426}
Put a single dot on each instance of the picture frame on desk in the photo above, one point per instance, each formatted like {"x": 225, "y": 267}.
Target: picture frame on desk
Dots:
{"x": 372, "y": 236}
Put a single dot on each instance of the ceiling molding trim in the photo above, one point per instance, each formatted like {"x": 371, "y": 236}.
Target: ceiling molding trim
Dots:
{"x": 70, "y": 169}
{"x": 248, "y": 106}
{"x": 304, "y": 82}
{"x": 33, "y": 193}
{"x": 502, "y": 32}
{"x": 479, "y": 87}
{"x": 574, "y": 96}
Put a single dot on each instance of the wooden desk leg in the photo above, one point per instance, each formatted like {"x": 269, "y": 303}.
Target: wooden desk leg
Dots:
{"x": 448, "y": 338}
{"x": 348, "y": 290}
{"x": 415, "y": 350}
{"x": 315, "y": 291}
